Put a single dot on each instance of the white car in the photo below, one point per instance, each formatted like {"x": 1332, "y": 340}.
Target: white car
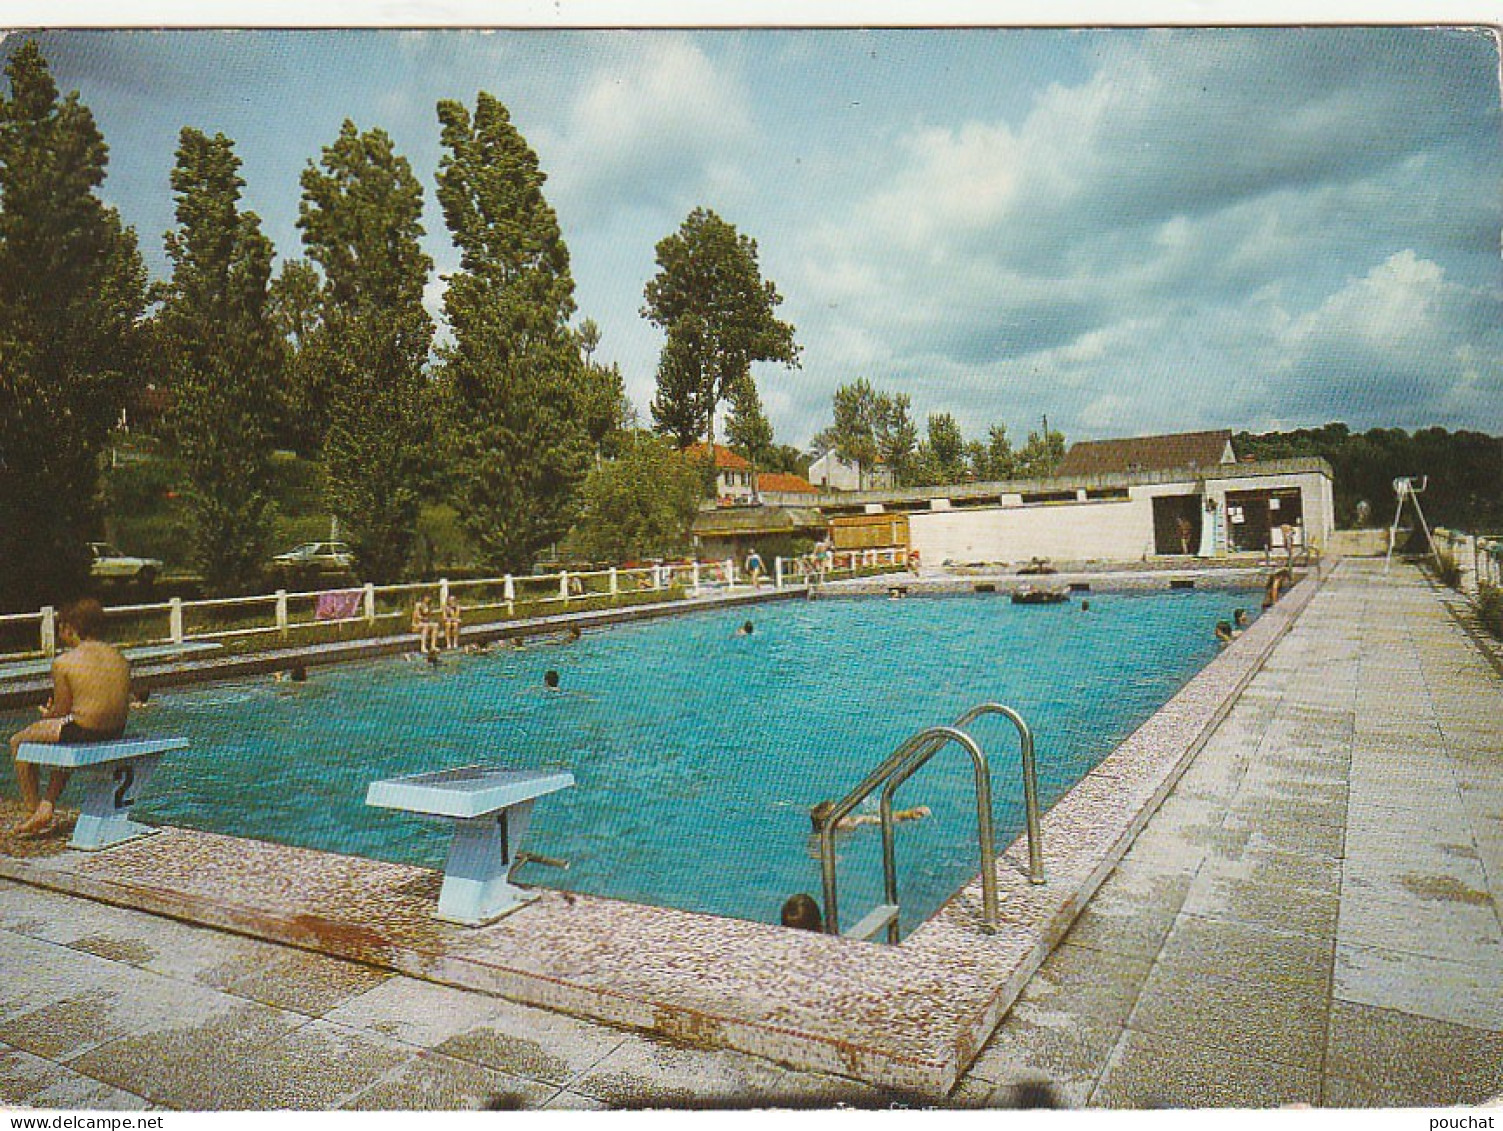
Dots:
{"x": 111, "y": 565}
{"x": 317, "y": 556}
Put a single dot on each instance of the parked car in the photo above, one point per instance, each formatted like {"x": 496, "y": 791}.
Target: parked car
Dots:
{"x": 111, "y": 565}
{"x": 317, "y": 557}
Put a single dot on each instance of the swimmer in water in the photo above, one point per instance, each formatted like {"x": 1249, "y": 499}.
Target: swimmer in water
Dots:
{"x": 820, "y": 812}
{"x": 746, "y": 629}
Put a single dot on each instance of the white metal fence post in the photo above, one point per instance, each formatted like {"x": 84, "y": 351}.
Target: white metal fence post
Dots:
{"x": 777, "y": 572}
{"x": 443, "y": 591}
{"x": 370, "y": 602}
{"x": 730, "y": 574}
{"x": 509, "y": 594}
{"x": 175, "y": 620}
{"x": 563, "y": 584}
{"x": 694, "y": 577}
{"x": 615, "y": 584}
{"x": 49, "y": 631}
{"x": 282, "y": 611}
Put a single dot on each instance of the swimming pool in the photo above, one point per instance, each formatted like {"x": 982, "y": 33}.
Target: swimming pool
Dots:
{"x": 698, "y": 753}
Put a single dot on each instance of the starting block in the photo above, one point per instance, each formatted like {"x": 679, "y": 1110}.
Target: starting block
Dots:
{"x": 114, "y": 776}
{"x": 491, "y": 810}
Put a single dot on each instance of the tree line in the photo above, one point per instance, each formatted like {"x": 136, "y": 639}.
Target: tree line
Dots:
{"x": 873, "y": 428}
{"x": 1464, "y": 470}
{"x": 335, "y": 354}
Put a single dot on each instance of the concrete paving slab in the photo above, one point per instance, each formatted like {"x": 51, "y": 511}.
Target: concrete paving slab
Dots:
{"x": 527, "y": 1043}
{"x": 1414, "y": 1059}
{"x": 307, "y": 983}
{"x": 1282, "y": 907}
{"x": 1255, "y": 956}
{"x": 1458, "y": 992}
{"x": 649, "y": 1074}
{"x": 34, "y": 1081}
{"x": 1149, "y": 1070}
{"x": 1458, "y": 931}
{"x": 315, "y": 1067}
{"x": 433, "y": 1082}
{"x": 1283, "y": 1024}
{"x": 177, "y": 1063}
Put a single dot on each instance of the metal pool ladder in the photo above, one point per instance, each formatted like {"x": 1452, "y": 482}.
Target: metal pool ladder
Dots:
{"x": 897, "y": 768}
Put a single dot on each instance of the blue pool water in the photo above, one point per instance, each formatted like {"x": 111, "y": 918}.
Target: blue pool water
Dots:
{"x": 698, "y": 753}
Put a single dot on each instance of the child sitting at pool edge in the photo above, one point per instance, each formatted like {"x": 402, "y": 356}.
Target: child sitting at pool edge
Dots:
{"x": 90, "y": 703}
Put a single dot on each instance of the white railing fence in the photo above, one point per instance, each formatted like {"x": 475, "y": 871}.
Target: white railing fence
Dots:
{"x": 1480, "y": 559}
{"x": 279, "y": 615}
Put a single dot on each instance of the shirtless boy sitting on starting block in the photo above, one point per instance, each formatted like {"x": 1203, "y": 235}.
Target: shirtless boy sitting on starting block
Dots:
{"x": 90, "y": 703}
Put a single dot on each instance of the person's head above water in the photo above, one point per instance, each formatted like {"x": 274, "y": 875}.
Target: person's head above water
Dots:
{"x": 550, "y": 679}
{"x": 1223, "y": 630}
{"x": 746, "y": 629}
{"x": 802, "y": 912}
{"x": 1239, "y": 617}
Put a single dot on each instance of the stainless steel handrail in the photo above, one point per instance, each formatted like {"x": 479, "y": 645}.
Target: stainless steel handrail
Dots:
{"x": 916, "y": 762}
{"x": 939, "y": 735}
{"x": 901, "y": 764}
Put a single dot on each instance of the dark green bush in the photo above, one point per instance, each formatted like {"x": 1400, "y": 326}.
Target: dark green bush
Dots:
{"x": 1447, "y": 571}
{"x": 1489, "y": 607}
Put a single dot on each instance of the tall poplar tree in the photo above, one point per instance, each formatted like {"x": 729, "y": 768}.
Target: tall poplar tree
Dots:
{"x": 718, "y": 312}
{"x": 513, "y": 383}
{"x": 360, "y": 217}
{"x": 72, "y": 287}
{"x": 220, "y": 348}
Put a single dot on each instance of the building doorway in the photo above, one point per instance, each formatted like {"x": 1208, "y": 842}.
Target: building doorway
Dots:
{"x": 1176, "y": 524}
{"x": 1251, "y": 517}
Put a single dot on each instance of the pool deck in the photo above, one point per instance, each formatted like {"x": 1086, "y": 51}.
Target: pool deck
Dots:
{"x": 1311, "y": 915}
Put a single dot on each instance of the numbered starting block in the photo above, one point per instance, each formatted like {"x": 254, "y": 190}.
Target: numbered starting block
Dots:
{"x": 491, "y": 809}
{"x": 114, "y": 775}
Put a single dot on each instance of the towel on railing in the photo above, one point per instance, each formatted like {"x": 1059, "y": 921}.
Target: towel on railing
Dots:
{"x": 339, "y": 604}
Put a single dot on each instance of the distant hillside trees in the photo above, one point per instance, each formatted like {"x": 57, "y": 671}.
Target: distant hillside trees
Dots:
{"x": 513, "y": 385}
{"x": 221, "y": 353}
{"x": 1465, "y": 470}
{"x": 366, "y": 352}
{"x": 72, "y": 288}
{"x": 710, "y": 299}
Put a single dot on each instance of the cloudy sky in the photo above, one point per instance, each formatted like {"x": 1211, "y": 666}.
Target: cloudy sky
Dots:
{"x": 1132, "y": 231}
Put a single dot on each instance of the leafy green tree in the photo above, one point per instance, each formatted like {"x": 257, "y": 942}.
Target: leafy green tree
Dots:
{"x": 639, "y": 505}
{"x": 1041, "y": 455}
{"x": 871, "y": 427}
{"x": 994, "y": 460}
{"x": 303, "y": 404}
{"x": 718, "y": 312}
{"x": 512, "y": 382}
{"x": 897, "y": 437}
{"x": 360, "y": 217}
{"x": 72, "y": 287}
{"x": 946, "y": 448}
{"x": 679, "y": 409}
{"x": 747, "y": 428}
{"x": 221, "y": 352}
{"x": 605, "y": 409}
